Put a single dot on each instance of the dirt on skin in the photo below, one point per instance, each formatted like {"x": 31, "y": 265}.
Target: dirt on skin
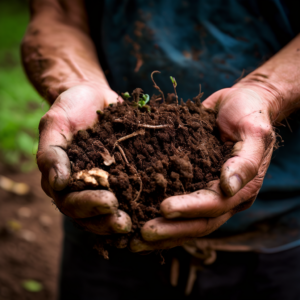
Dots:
{"x": 171, "y": 150}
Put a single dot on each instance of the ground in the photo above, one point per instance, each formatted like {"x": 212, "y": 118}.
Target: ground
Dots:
{"x": 30, "y": 240}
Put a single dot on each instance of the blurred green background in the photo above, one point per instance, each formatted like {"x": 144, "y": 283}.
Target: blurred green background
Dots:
{"x": 20, "y": 106}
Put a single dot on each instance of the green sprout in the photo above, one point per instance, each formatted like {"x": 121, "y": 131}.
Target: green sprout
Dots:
{"x": 173, "y": 81}
{"x": 125, "y": 95}
{"x": 32, "y": 285}
{"x": 174, "y": 85}
{"x": 111, "y": 104}
{"x": 143, "y": 100}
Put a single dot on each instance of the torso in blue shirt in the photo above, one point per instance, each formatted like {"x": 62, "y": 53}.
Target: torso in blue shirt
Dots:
{"x": 207, "y": 42}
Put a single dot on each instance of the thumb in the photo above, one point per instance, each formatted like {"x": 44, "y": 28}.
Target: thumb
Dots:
{"x": 213, "y": 100}
{"x": 256, "y": 141}
{"x": 52, "y": 160}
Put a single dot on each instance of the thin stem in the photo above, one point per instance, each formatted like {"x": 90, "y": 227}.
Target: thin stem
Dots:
{"x": 127, "y": 163}
{"x": 175, "y": 94}
{"x": 141, "y": 188}
{"x": 122, "y": 152}
{"x": 153, "y": 126}
{"x": 156, "y": 86}
{"x": 141, "y": 132}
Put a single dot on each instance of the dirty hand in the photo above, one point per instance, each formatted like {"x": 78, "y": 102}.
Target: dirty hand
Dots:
{"x": 244, "y": 119}
{"x": 75, "y": 109}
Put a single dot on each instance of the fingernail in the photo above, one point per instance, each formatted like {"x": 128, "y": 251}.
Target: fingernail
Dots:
{"x": 122, "y": 228}
{"x": 235, "y": 184}
{"x": 142, "y": 247}
{"x": 57, "y": 181}
{"x": 173, "y": 215}
{"x": 136, "y": 245}
{"x": 123, "y": 223}
{"x": 53, "y": 179}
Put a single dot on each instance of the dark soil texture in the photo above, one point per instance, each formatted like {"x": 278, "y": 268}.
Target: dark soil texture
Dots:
{"x": 174, "y": 149}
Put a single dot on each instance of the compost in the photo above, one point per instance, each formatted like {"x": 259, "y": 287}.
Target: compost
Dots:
{"x": 145, "y": 153}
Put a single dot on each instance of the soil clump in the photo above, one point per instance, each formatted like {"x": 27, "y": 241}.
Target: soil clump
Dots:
{"x": 149, "y": 153}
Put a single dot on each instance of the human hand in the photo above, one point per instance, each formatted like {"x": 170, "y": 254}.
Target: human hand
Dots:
{"x": 73, "y": 110}
{"x": 244, "y": 119}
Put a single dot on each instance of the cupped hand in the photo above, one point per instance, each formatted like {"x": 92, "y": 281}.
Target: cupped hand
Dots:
{"x": 244, "y": 119}
{"x": 73, "y": 110}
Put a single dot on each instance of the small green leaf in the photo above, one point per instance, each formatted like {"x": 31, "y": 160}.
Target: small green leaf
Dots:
{"x": 99, "y": 112}
{"x": 111, "y": 104}
{"x": 32, "y": 285}
{"x": 173, "y": 81}
{"x": 144, "y": 100}
{"x": 126, "y": 95}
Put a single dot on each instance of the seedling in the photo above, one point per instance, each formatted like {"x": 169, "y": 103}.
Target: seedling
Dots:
{"x": 142, "y": 103}
{"x": 143, "y": 100}
{"x": 156, "y": 86}
{"x": 173, "y": 81}
{"x": 125, "y": 95}
{"x": 174, "y": 85}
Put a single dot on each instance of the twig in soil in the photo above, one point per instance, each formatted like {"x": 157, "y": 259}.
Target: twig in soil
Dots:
{"x": 200, "y": 94}
{"x": 141, "y": 188}
{"x": 156, "y": 86}
{"x": 127, "y": 163}
{"x": 153, "y": 126}
{"x": 141, "y": 132}
{"x": 122, "y": 152}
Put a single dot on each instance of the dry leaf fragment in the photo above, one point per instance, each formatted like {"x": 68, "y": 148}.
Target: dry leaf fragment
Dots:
{"x": 107, "y": 158}
{"x": 93, "y": 177}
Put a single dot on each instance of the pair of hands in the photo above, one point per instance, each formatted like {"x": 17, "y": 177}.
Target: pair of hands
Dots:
{"x": 243, "y": 118}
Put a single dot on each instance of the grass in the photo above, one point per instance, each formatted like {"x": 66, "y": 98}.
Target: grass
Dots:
{"x": 20, "y": 106}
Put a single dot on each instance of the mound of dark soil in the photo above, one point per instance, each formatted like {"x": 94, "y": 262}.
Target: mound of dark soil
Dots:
{"x": 170, "y": 150}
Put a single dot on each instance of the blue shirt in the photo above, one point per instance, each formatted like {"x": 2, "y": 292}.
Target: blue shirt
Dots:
{"x": 211, "y": 43}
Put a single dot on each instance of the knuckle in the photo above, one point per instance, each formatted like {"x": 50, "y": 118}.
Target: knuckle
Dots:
{"x": 217, "y": 211}
{"x": 49, "y": 118}
{"x": 259, "y": 129}
{"x": 245, "y": 204}
{"x": 204, "y": 229}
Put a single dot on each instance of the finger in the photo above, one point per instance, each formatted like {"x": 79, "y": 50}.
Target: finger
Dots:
{"x": 54, "y": 164}
{"x": 118, "y": 222}
{"x": 160, "y": 228}
{"x": 208, "y": 203}
{"x": 257, "y": 138}
{"x": 52, "y": 160}
{"x": 85, "y": 204}
{"x": 214, "y": 100}
{"x": 139, "y": 245}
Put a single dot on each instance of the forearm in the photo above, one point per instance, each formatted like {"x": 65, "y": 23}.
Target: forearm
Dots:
{"x": 57, "y": 50}
{"x": 279, "y": 80}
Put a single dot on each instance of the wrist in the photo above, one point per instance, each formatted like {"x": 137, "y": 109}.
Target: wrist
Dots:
{"x": 272, "y": 97}
{"x": 98, "y": 84}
